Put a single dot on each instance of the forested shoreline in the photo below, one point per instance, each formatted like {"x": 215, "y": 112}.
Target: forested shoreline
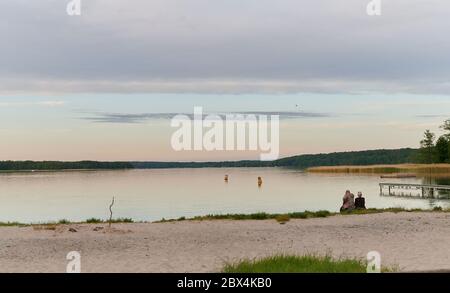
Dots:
{"x": 371, "y": 157}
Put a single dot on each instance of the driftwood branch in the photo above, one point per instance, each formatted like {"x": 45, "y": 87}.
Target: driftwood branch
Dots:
{"x": 110, "y": 212}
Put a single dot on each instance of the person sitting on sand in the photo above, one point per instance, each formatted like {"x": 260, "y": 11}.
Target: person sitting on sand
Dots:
{"x": 360, "y": 202}
{"x": 348, "y": 201}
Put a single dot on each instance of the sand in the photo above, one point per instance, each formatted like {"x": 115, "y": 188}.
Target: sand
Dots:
{"x": 410, "y": 241}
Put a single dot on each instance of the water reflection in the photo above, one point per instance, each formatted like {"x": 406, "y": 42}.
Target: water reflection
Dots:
{"x": 439, "y": 180}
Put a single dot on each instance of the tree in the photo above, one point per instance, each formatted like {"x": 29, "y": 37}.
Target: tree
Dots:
{"x": 442, "y": 149}
{"x": 446, "y": 127}
{"x": 427, "y": 148}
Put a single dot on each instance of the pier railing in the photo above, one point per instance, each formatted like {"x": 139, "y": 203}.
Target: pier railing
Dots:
{"x": 424, "y": 190}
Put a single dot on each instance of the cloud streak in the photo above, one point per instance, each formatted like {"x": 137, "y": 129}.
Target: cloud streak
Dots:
{"x": 225, "y": 86}
{"x": 143, "y": 117}
{"x": 32, "y": 104}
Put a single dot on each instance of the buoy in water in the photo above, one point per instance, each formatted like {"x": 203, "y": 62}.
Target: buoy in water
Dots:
{"x": 260, "y": 182}
{"x": 226, "y": 178}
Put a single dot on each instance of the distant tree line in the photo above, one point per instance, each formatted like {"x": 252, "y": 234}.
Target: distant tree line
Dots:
{"x": 371, "y": 157}
{"x": 57, "y": 165}
{"x": 358, "y": 158}
{"x": 435, "y": 151}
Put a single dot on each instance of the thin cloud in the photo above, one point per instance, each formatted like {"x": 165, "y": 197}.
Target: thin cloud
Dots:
{"x": 226, "y": 86}
{"x": 143, "y": 117}
{"x": 32, "y": 104}
{"x": 433, "y": 116}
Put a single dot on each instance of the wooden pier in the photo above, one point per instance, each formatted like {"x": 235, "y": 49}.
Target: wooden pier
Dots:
{"x": 423, "y": 190}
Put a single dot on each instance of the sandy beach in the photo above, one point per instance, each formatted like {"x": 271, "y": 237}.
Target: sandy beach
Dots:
{"x": 410, "y": 241}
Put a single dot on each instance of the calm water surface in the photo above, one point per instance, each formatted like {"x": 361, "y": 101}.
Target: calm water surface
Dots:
{"x": 147, "y": 195}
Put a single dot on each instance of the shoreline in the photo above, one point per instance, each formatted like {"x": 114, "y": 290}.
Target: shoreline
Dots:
{"x": 416, "y": 169}
{"x": 411, "y": 241}
{"x": 137, "y": 169}
{"x": 377, "y": 156}
{"x": 260, "y": 216}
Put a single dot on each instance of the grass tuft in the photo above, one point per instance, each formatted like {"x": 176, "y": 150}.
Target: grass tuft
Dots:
{"x": 12, "y": 224}
{"x": 301, "y": 264}
{"x": 94, "y": 221}
{"x": 115, "y": 221}
{"x": 282, "y": 219}
{"x": 298, "y": 264}
{"x": 122, "y": 220}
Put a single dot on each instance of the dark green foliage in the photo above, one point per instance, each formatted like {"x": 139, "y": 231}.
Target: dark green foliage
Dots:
{"x": 255, "y": 216}
{"x": 56, "y": 165}
{"x": 93, "y": 221}
{"x": 427, "y": 148}
{"x": 442, "y": 149}
{"x": 308, "y": 214}
{"x": 118, "y": 220}
{"x": 435, "y": 153}
{"x": 374, "y": 157}
{"x": 63, "y": 222}
{"x": 399, "y": 156}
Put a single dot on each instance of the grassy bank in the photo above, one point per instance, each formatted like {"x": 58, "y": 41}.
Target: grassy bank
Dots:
{"x": 385, "y": 169}
{"x": 67, "y": 222}
{"x": 281, "y": 218}
{"x": 299, "y": 264}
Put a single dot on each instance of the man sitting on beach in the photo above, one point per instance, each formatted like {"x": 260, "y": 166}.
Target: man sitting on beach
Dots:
{"x": 360, "y": 202}
{"x": 348, "y": 201}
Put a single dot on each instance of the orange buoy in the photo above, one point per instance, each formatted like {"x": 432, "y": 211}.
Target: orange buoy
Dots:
{"x": 226, "y": 178}
{"x": 260, "y": 182}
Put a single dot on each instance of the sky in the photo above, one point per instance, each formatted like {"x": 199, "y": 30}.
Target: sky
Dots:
{"x": 104, "y": 84}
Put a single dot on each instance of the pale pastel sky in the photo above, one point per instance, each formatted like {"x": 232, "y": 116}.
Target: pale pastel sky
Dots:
{"x": 125, "y": 127}
{"x": 94, "y": 86}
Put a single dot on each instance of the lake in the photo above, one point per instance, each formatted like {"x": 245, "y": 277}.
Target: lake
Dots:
{"x": 148, "y": 195}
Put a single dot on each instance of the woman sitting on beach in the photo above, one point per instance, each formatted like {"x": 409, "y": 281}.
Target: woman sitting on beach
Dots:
{"x": 360, "y": 202}
{"x": 348, "y": 201}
